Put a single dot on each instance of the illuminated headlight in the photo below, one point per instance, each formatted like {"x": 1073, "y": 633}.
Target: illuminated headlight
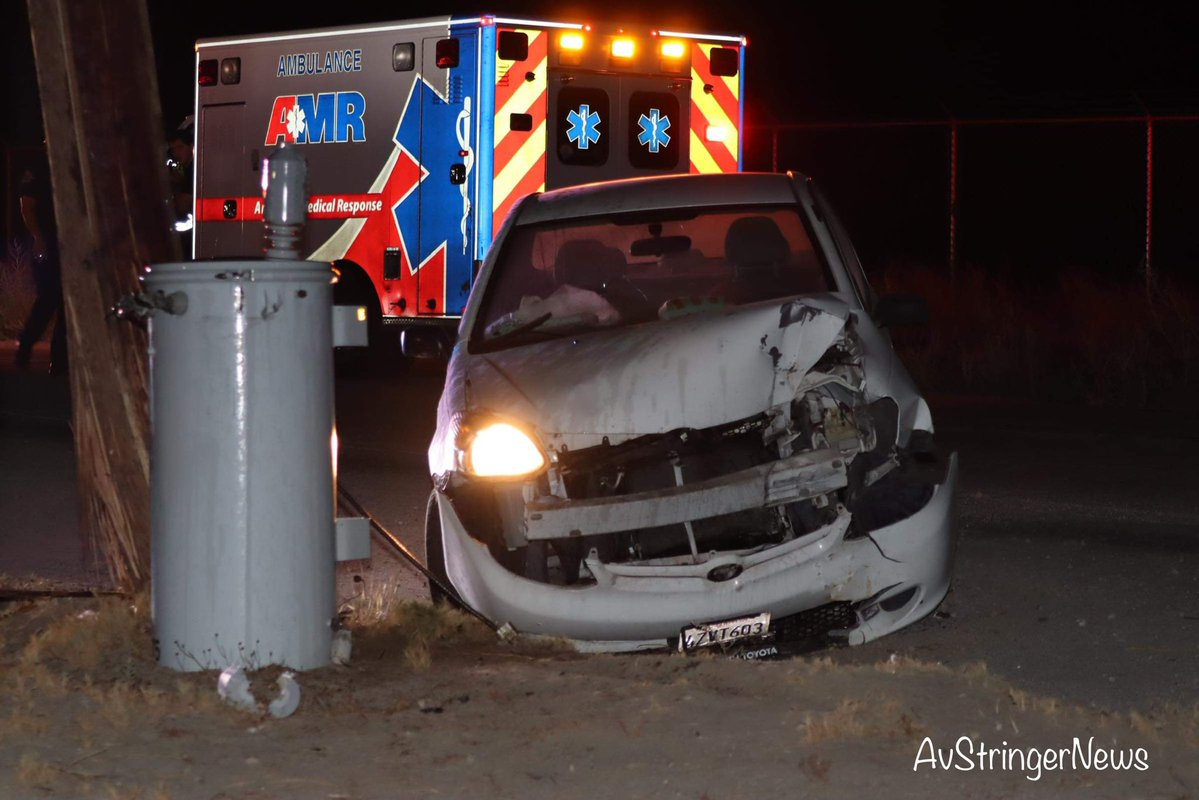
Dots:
{"x": 501, "y": 450}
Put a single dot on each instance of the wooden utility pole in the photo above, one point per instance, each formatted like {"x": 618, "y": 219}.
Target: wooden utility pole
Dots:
{"x": 104, "y": 135}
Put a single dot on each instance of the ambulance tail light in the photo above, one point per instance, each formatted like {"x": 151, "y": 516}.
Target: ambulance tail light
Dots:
{"x": 570, "y": 48}
{"x": 208, "y": 72}
{"x": 623, "y": 48}
{"x": 673, "y": 56}
{"x": 447, "y": 53}
{"x": 717, "y": 133}
{"x": 673, "y": 50}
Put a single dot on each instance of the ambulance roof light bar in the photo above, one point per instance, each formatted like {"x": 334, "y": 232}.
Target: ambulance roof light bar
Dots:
{"x": 623, "y": 48}
{"x": 570, "y": 49}
{"x": 673, "y": 50}
{"x": 713, "y": 37}
{"x": 537, "y": 23}
{"x": 350, "y": 30}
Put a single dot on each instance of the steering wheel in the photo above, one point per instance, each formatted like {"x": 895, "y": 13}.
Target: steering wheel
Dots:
{"x": 629, "y": 300}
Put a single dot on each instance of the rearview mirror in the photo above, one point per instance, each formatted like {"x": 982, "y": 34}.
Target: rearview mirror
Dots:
{"x": 660, "y": 245}
{"x": 423, "y": 343}
{"x": 900, "y": 310}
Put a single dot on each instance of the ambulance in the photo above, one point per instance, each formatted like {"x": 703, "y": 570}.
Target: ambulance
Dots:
{"x": 420, "y": 136}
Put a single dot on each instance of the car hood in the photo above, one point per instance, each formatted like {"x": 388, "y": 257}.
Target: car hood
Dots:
{"x": 695, "y": 372}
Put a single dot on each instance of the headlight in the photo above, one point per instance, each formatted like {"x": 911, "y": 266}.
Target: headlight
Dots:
{"x": 501, "y": 450}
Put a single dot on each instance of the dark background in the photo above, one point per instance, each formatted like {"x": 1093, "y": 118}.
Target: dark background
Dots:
{"x": 1032, "y": 200}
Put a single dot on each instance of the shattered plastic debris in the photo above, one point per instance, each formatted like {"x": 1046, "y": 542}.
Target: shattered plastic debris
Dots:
{"x": 234, "y": 688}
{"x": 289, "y": 697}
{"x": 342, "y": 644}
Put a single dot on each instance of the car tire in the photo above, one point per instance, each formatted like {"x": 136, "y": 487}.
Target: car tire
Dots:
{"x": 435, "y": 551}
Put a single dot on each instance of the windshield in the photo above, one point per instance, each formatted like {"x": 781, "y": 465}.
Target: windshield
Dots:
{"x": 571, "y": 275}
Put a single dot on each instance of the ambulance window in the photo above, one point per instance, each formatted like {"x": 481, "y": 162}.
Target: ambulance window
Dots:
{"x": 654, "y": 130}
{"x": 583, "y": 126}
{"x": 403, "y": 57}
{"x": 513, "y": 45}
{"x": 724, "y": 61}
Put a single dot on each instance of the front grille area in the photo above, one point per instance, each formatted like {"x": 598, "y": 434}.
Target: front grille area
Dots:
{"x": 813, "y": 626}
{"x": 794, "y": 635}
{"x": 648, "y": 462}
{"x": 644, "y": 464}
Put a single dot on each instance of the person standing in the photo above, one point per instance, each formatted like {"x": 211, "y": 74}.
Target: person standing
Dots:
{"x": 181, "y": 162}
{"x": 37, "y": 213}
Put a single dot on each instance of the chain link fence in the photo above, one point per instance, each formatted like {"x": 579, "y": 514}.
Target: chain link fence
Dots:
{"x": 1114, "y": 195}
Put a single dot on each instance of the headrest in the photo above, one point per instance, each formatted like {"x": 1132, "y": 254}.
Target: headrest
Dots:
{"x": 756, "y": 241}
{"x": 588, "y": 263}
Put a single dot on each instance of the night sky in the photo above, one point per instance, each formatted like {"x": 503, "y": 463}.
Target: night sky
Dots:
{"x": 852, "y": 61}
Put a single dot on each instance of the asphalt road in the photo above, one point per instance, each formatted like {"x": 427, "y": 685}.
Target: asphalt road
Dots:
{"x": 1077, "y": 572}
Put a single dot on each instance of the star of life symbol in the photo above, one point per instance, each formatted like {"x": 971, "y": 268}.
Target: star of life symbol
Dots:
{"x": 295, "y": 121}
{"x": 653, "y": 130}
{"x": 584, "y": 126}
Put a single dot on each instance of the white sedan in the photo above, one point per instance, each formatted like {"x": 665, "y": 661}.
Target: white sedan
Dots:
{"x": 673, "y": 418}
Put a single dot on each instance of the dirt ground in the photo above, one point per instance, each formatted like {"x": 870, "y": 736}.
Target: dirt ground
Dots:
{"x": 433, "y": 706}
{"x": 1094, "y": 526}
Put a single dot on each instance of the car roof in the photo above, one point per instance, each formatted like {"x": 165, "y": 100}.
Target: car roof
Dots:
{"x": 668, "y": 191}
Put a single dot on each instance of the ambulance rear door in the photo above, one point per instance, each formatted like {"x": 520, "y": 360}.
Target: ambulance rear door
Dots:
{"x": 617, "y": 109}
{"x": 227, "y": 175}
{"x": 448, "y": 152}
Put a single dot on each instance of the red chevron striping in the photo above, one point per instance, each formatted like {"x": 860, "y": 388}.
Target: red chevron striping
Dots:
{"x": 720, "y": 154}
{"x": 506, "y": 148}
{"x": 506, "y": 85}
{"x": 720, "y": 89}
{"x": 533, "y": 180}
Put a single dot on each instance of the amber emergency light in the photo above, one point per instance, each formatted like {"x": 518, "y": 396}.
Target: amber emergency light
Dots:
{"x": 623, "y": 48}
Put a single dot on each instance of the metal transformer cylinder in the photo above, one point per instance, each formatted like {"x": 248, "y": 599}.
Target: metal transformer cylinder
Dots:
{"x": 286, "y": 202}
{"x": 241, "y": 465}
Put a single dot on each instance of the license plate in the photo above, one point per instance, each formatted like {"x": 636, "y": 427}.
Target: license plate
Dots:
{"x": 723, "y": 633}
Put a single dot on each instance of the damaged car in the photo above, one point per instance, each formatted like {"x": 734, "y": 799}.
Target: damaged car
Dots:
{"x": 673, "y": 418}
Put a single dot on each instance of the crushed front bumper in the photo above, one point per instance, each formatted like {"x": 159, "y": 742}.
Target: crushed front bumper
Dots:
{"x": 641, "y": 606}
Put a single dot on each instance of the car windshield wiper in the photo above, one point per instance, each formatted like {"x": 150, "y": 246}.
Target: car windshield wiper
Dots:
{"x": 526, "y": 327}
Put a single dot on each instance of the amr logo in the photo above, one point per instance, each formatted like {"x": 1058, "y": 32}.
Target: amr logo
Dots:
{"x": 311, "y": 119}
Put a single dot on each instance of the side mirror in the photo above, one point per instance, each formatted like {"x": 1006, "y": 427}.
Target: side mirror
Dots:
{"x": 424, "y": 342}
{"x": 900, "y": 310}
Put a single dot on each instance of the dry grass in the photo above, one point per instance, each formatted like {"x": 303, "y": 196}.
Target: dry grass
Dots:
{"x": 373, "y": 604}
{"x": 860, "y": 719}
{"x": 119, "y": 792}
{"x": 35, "y": 773}
{"x": 417, "y": 629}
{"x": 897, "y": 664}
{"x": 1079, "y": 338}
{"x": 96, "y": 658}
{"x": 114, "y": 633}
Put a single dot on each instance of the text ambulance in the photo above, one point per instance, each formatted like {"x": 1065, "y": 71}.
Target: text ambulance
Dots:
{"x": 420, "y": 137}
